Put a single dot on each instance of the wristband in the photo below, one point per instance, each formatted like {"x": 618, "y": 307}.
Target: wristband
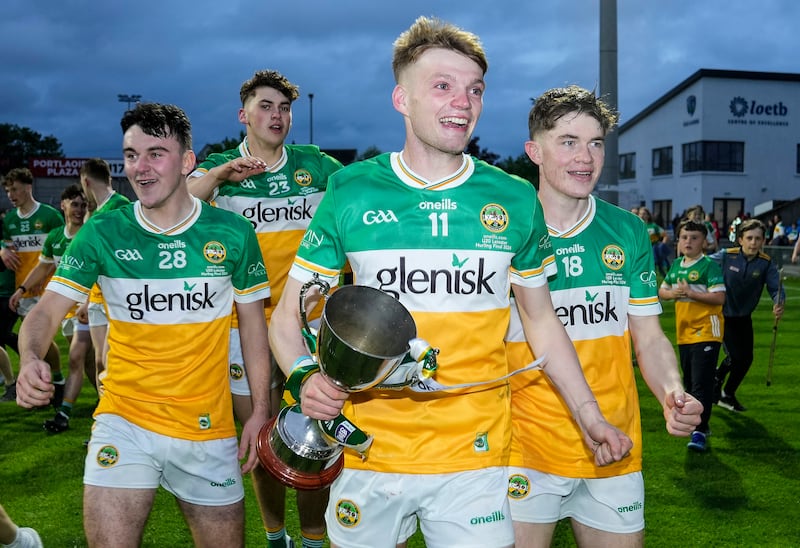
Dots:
{"x": 23, "y": 288}
{"x": 303, "y": 368}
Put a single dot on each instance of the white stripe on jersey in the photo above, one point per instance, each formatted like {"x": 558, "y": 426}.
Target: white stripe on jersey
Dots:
{"x": 426, "y": 279}
{"x": 178, "y": 301}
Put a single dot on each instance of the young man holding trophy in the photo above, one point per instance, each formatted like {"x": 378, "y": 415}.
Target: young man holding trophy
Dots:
{"x": 448, "y": 236}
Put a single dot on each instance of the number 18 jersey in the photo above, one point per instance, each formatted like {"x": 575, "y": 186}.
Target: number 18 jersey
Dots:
{"x": 605, "y": 273}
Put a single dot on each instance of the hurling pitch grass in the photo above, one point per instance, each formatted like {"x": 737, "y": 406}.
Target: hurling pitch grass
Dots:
{"x": 744, "y": 492}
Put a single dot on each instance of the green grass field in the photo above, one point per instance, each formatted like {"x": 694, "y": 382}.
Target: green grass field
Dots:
{"x": 744, "y": 492}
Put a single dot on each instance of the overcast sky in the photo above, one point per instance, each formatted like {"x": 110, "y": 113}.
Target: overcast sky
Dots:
{"x": 64, "y": 62}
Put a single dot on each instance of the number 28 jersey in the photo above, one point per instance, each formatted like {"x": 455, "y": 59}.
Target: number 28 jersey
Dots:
{"x": 448, "y": 250}
{"x": 169, "y": 296}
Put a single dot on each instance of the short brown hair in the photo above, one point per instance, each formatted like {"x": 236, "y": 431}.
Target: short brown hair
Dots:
{"x": 750, "y": 224}
{"x": 270, "y": 79}
{"x": 428, "y": 33}
{"x": 159, "y": 120}
{"x": 96, "y": 169}
{"x": 555, "y": 103}
{"x": 20, "y": 174}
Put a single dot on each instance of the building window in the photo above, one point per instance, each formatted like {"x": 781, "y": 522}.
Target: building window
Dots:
{"x": 662, "y": 213}
{"x": 627, "y": 166}
{"x": 662, "y": 161}
{"x": 713, "y": 156}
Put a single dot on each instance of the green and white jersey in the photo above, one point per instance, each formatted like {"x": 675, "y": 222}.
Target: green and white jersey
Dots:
{"x": 27, "y": 233}
{"x": 279, "y": 203}
{"x": 697, "y": 322}
{"x": 605, "y": 275}
{"x": 169, "y": 296}
{"x": 449, "y": 251}
{"x": 55, "y": 245}
{"x": 113, "y": 201}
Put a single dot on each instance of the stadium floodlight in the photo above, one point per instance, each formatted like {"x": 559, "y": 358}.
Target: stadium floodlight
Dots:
{"x": 128, "y": 99}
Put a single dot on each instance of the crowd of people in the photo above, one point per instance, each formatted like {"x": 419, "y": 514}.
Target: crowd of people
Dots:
{"x": 183, "y": 308}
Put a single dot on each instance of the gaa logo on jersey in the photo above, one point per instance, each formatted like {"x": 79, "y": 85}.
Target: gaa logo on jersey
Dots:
{"x": 214, "y": 252}
{"x": 347, "y": 513}
{"x": 494, "y": 217}
{"x": 302, "y": 177}
{"x": 107, "y": 456}
{"x": 693, "y": 276}
{"x": 519, "y": 486}
{"x": 613, "y": 257}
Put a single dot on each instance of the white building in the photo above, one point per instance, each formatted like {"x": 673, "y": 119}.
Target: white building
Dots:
{"x": 728, "y": 140}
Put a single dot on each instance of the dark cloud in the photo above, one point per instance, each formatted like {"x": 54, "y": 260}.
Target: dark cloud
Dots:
{"x": 65, "y": 62}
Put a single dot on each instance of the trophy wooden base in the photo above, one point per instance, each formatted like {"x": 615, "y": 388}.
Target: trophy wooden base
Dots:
{"x": 289, "y": 475}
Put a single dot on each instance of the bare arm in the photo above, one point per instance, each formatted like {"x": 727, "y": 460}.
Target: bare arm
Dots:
{"x": 547, "y": 337}
{"x": 36, "y": 276}
{"x": 237, "y": 170}
{"x": 34, "y": 387}
{"x": 255, "y": 350}
{"x": 659, "y": 367}
{"x": 684, "y": 289}
{"x": 320, "y": 399}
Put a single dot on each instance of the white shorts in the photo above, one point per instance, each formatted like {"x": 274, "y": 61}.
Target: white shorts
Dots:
{"x": 237, "y": 373}
{"x": 97, "y": 315}
{"x": 466, "y": 509}
{"x": 615, "y": 504}
{"x": 25, "y": 304}
{"x": 123, "y": 455}
{"x": 70, "y": 326}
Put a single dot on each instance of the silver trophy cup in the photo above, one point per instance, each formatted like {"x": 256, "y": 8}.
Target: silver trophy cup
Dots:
{"x": 364, "y": 335}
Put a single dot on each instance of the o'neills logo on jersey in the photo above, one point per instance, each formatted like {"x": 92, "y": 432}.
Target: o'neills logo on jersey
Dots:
{"x": 294, "y": 210}
{"x": 183, "y": 301}
{"x": 494, "y": 217}
{"x": 442, "y": 205}
{"x": 613, "y": 257}
{"x": 596, "y": 309}
{"x": 459, "y": 280}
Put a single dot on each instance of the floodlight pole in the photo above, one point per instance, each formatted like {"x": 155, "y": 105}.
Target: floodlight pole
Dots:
{"x": 311, "y": 118}
{"x": 123, "y": 98}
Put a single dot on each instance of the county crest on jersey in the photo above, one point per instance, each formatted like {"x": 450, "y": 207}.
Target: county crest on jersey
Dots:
{"x": 169, "y": 297}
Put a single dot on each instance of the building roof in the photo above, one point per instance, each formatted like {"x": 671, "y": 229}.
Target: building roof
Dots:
{"x": 707, "y": 73}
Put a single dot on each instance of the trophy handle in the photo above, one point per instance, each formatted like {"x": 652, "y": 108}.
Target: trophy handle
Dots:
{"x": 308, "y": 334}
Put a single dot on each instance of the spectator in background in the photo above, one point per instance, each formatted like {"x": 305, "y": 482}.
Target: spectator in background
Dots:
{"x": 697, "y": 214}
{"x": 695, "y": 283}
{"x": 778, "y": 232}
{"x": 746, "y": 269}
{"x": 659, "y": 241}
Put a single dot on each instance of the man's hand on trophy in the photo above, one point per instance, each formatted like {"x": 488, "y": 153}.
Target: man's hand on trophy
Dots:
{"x": 320, "y": 398}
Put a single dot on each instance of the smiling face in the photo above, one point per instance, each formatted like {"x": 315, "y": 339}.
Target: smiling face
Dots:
{"x": 74, "y": 210}
{"x": 569, "y": 156}
{"x": 267, "y": 115}
{"x": 156, "y": 167}
{"x": 441, "y": 97}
